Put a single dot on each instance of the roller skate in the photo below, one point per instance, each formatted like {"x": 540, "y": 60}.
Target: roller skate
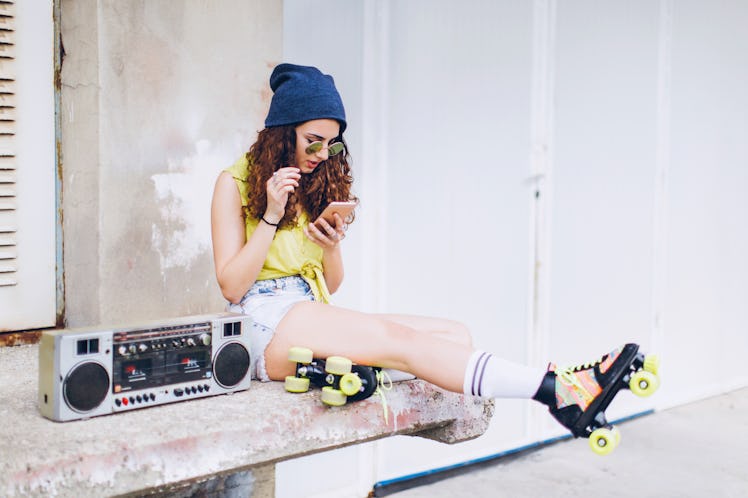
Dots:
{"x": 578, "y": 396}
{"x": 341, "y": 381}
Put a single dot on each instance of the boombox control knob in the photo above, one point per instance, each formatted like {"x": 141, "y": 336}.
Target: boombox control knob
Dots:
{"x": 142, "y": 348}
{"x": 205, "y": 339}
{"x": 122, "y": 350}
{"x": 133, "y": 349}
{"x": 190, "y": 341}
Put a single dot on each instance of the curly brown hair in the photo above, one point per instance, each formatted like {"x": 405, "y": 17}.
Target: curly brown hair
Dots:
{"x": 275, "y": 148}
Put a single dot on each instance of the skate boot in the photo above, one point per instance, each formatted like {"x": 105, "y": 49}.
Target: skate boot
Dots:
{"x": 341, "y": 381}
{"x": 578, "y": 396}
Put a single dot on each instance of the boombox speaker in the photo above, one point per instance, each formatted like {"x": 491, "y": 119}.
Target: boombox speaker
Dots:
{"x": 97, "y": 371}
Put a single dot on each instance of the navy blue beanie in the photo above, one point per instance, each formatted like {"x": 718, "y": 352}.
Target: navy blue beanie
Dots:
{"x": 303, "y": 93}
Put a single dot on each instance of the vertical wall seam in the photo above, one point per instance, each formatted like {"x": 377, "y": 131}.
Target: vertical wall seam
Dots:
{"x": 59, "y": 214}
{"x": 375, "y": 84}
{"x": 661, "y": 174}
{"x": 541, "y": 164}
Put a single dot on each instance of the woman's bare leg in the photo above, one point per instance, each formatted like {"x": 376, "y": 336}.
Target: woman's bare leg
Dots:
{"x": 446, "y": 329}
{"x": 368, "y": 339}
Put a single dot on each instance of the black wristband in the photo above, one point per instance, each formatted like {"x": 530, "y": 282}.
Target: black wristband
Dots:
{"x": 271, "y": 224}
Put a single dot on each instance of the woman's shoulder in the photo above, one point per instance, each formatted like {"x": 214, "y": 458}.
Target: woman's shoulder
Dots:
{"x": 240, "y": 169}
{"x": 240, "y": 172}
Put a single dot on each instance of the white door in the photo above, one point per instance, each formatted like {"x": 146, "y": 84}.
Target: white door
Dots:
{"x": 27, "y": 166}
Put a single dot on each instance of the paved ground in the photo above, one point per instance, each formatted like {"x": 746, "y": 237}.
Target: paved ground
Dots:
{"x": 696, "y": 450}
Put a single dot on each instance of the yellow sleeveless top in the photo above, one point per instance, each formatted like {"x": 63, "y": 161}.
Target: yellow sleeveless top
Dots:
{"x": 291, "y": 252}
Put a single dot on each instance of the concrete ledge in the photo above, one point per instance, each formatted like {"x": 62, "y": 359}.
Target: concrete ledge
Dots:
{"x": 172, "y": 447}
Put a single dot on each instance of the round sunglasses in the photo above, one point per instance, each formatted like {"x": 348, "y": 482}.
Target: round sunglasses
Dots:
{"x": 332, "y": 149}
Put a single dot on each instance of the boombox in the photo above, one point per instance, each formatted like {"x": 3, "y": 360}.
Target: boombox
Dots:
{"x": 89, "y": 372}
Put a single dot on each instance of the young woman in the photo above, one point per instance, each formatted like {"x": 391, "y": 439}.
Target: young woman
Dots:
{"x": 277, "y": 261}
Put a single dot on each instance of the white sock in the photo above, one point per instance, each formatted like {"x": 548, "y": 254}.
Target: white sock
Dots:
{"x": 487, "y": 376}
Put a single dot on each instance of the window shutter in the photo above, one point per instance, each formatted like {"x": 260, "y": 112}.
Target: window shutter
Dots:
{"x": 8, "y": 253}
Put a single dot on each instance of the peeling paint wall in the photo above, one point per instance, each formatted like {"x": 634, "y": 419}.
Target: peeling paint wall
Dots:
{"x": 157, "y": 98}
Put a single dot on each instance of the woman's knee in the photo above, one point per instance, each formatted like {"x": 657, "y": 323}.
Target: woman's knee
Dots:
{"x": 465, "y": 334}
{"x": 459, "y": 333}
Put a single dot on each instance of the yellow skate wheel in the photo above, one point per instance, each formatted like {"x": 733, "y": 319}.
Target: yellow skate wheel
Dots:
{"x": 644, "y": 383}
{"x": 603, "y": 441}
{"x": 350, "y": 384}
{"x": 297, "y": 384}
{"x": 652, "y": 363}
{"x": 300, "y": 355}
{"x": 337, "y": 365}
{"x": 333, "y": 397}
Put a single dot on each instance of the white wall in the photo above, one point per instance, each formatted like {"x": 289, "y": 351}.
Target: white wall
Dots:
{"x": 633, "y": 117}
{"x": 704, "y": 307}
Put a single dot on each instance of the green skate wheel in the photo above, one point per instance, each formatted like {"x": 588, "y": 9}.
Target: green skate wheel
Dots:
{"x": 603, "y": 441}
{"x": 333, "y": 397}
{"x": 337, "y": 365}
{"x": 297, "y": 384}
{"x": 644, "y": 383}
{"x": 300, "y": 355}
{"x": 350, "y": 384}
{"x": 652, "y": 363}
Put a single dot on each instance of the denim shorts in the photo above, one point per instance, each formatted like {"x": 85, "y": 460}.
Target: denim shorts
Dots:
{"x": 267, "y": 302}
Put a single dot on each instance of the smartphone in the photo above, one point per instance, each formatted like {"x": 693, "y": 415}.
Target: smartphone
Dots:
{"x": 344, "y": 209}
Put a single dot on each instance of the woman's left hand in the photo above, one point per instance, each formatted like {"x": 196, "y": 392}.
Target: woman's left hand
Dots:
{"x": 325, "y": 235}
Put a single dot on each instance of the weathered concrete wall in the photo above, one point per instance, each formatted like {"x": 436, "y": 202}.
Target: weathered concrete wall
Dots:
{"x": 157, "y": 98}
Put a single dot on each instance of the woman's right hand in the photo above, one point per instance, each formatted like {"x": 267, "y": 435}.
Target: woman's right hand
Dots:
{"x": 279, "y": 186}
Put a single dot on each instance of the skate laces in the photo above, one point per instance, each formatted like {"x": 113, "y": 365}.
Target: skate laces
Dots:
{"x": 384, "y": 383}
{"x": 583, "y": 366}
{"x": 568, "y": 373}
